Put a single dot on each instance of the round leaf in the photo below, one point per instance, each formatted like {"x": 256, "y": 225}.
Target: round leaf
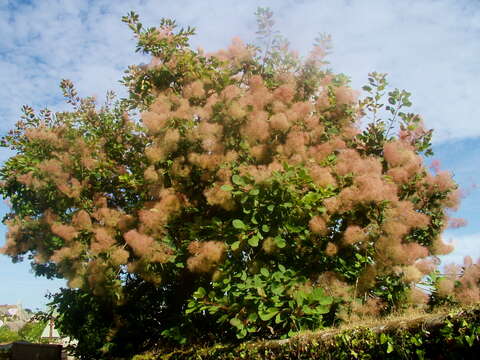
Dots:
{"x": 237, "y": 180}
{"x": 253, "y": 241}
{"x": 239, "y": 224}
{"x": 280, "y": 242}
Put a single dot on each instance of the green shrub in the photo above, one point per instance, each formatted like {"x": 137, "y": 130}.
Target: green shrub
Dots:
{"x": 455, "y": 336}
{"x": 229, "y": 196}
{"x": 7, "y": 335}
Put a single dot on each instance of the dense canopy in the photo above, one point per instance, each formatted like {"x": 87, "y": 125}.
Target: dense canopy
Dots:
{"x": 236, "y": 193}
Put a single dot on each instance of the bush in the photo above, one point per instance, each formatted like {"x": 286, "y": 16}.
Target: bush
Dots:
{"x": 244, "y": 201}
{"x": 452, "y": 336}
{"x": 7, "y": 335}
{"x": 32, "y": 331}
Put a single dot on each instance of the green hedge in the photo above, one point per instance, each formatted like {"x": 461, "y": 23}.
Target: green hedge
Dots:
{"x": 452, "y": 336}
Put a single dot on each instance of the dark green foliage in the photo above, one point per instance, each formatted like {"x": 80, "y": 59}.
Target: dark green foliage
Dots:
{"x": 455, "y": 336}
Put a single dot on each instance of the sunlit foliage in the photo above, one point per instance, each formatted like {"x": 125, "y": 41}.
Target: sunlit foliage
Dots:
{"x": 237, "y": 191}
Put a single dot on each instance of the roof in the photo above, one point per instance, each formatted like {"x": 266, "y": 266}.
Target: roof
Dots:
{"x": 5, "y": 309}
{"x": 46, "y": 331}
{"x": 14, "y": 310}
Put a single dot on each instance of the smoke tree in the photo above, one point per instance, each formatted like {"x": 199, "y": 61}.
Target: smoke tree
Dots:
{"x": 230, "y": 195}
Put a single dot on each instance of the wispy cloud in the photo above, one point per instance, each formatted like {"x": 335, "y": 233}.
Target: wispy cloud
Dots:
{"x": 428, "y": 47}
{"x": 465, "y": 245}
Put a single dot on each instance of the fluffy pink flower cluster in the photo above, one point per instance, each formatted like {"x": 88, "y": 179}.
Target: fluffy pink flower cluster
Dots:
{"x": 210, "y": 130}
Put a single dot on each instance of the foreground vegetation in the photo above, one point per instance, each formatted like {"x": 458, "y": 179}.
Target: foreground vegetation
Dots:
{"x": 441, "y": 335}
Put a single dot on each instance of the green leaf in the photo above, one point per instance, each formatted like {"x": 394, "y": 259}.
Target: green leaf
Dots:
{"x": 322, "y": 310}
{"x": 226, "y": 188}
{"x": 308, "y": 310}
{"x": 237, "y": 323}
{"x": 311, "y": 197}
{"x": 242, "y": 333}
{"x": 189, "y": 310}
{"x": 265, "y": 228}
{"x": 278, "y": 290}
{"x": 235, "y": 245}
{"x": 254, "y": 192}
{"x": 470, "y": 339}
{"x": 418, "y": 341}
{"x": 270, "y": 208}
{"x": 389, "y": 348}
{"x": 270, "y": 313}
{"x": 239, "y": 224}
{"x": 279, "y": 242}
{"x": 261, "y": 292}
{"x": 237, "y": 180}
{"x": 317, "y": 294}
{"x": 253, "y": 241}
{"x": 326, "y": 300}
{"x": 200, "y": 293}
{"x": 264, "y": 272}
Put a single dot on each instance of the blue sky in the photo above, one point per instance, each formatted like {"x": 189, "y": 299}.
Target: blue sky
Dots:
{"x": 428, "y": 47}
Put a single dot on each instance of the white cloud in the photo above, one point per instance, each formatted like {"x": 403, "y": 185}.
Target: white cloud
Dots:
{"x": 465, "y": 245}
{"x": 428, "y": 47}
